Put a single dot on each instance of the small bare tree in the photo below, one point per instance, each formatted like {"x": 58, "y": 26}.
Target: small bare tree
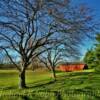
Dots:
{"x": 51, "y": 58}
{"x": 35, "y": 64}
{"x": 58, "y": 54}
{"x": 28, "y": 26}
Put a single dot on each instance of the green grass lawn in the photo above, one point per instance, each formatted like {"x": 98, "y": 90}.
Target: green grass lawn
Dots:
{"x": 82, "y": 85}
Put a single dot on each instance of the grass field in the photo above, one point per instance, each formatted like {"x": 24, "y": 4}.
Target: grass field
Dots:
{"x": 83, "y": 85}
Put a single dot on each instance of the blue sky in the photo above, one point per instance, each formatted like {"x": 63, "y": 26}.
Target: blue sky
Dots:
{"x": 95, "y": 6}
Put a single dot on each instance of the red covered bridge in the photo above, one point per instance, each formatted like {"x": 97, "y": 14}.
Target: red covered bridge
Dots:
{"x": 72, "y": 67}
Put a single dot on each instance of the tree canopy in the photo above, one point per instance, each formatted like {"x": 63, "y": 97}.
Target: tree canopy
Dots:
{"x": 27, "y": 27}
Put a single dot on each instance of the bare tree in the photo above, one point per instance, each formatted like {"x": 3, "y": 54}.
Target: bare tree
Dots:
{"x": 28, "y": 26}
{"x": 58, "y": 54}
{"x": 35, "y": 64}
{"x": 51, "y": 58}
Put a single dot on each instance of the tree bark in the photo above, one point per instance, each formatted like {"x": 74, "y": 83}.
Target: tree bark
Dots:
{"x": 54, "y": 74}
{"x": 22, "y": 83}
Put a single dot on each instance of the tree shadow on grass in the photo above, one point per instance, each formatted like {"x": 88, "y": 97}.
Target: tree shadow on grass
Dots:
{"x": 42, "y": 84}
{"x": 62, "y": 78}
{"x": 79, "y": 73}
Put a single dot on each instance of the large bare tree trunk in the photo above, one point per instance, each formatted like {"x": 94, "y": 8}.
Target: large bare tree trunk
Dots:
{"x": 22, "y": 83}
{"x": 54, "y": 73}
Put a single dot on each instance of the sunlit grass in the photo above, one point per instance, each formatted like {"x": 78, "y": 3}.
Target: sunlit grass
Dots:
{"x": 41, "y": 82}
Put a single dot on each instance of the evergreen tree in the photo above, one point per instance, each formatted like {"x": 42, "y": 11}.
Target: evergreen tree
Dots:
{"x": 89, "y": 58}
{"x": 92, "y": 57}
{"x": 97, "y": 52}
